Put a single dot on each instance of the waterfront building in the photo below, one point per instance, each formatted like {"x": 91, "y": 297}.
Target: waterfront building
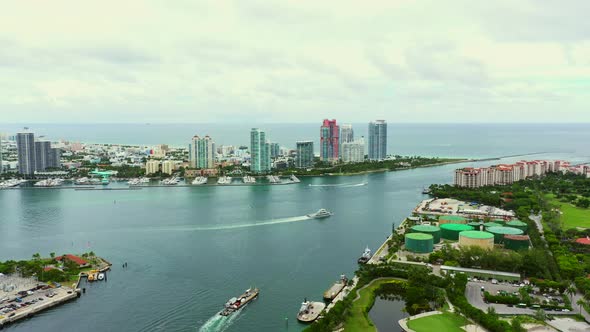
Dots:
{"x": 25, "y": 145}
{"x": 202, "y": 152}
{"x": 509, "y": 173}
{"x": 275, "y": 150}
{"x": 45, "y": 156}
{"x": 353, "y": 152}
{"x": 329, "y": 141}
{"x": 304, "y": 154}
{"x": 259, "y": 151}
{"x": 1, "y": 167}
{"x": 160, "y": 151}
{"x": 168, "y": 167}
{"x": 377, "y": 140}
{"x": 152, "y": 166}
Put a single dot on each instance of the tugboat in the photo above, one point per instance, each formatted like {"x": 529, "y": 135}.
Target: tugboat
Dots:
{"x": 310, "y": 311}
{"x": 336, "y": 288}
{"x": 236, "y": 303}
{"x": 322, "y": 213}
{"x": 365, "y": 257}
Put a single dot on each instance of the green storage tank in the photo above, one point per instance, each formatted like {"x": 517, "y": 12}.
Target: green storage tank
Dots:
{"x": 451, "y": 220}
{"x": 518, "y": 224}
{"x": 480, "y": 239}
{"x": 451, "y": 231}
{"x": 491, "y": 224}
{"x": 427, "y": 229}
{"x": 475, "y": 225}
{"x": 499, "y": 221}
{"x": 499, "y": 232}
{"x": 516, "y": 242}
{"x": 419, "y": 243}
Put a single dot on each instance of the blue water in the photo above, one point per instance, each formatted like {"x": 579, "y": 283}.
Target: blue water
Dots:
{"x": 189, "y": 249}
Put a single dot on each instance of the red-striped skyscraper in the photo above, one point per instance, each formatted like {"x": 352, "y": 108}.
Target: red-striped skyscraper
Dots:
{"x": 329, "y": 140}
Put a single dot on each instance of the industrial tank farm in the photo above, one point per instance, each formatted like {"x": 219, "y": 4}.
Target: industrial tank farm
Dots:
{"x": 427, "y": 229}
{"x": 480, "y": 239}
{"x": 419, "y": 243}
{"x": 451, "y": 231}
{"x": 500, "y": 232}
{"x": 492, "y": 224}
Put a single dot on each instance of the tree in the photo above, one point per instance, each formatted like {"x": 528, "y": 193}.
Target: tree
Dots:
{"x": 540, "y": 315}
{"x": 571, "y": 290}
{"x": 36, "y": 256}
{"x": 580, "y": 303}
{"x": 52, "y": 255}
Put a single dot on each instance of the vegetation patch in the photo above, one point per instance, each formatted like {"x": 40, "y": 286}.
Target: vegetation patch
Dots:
{"x": 445, "y": 322}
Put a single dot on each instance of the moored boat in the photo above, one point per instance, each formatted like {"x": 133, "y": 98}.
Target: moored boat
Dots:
{"x": 336, "y": 288}
{"x": 365, "y": 257}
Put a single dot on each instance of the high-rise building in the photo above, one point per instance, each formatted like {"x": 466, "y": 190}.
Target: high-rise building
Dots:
{"x": 346, "y": 133}
{"x": 377, "y": 140}
{"x": 152, "y": 166}
{"x": 25, "y": 146}
{"x": 353, "y": 152}
{"x": 259, "y": 151}
{"x": 42, "y": 155}
{"x": 329, "y": 141}
{"x": 1, "y": 168}
{"x": 304, "y": 154}
{"x": 275, "y": 150}
{"x": 202, "y": 152}
{"x": 168, "y": 167}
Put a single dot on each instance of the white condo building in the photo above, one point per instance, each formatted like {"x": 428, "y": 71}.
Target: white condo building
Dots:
{"x": 353, "y": 152}
{"x": 152, "y": 166}
{"x": 508, "y": 174}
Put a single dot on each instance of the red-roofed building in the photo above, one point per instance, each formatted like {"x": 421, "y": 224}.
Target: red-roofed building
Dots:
{"x": 584, "y": 240}
{"x": 81, "y": 262}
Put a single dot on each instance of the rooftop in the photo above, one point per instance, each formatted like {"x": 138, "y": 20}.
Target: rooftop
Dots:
{"x": 476, "y": 234}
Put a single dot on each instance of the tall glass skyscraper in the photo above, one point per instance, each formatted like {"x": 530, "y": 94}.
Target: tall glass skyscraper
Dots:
{"x": 304, "y": 154}
{"x": 25, "y": 147}
{"x": 259, "y": 151}
{"x": 202, "y": 152}
{"x": 377, "y": 140}
{"x": 329, "y": 141}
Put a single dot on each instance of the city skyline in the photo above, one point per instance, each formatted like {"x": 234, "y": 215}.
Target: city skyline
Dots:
{"x": 484, "y": 62}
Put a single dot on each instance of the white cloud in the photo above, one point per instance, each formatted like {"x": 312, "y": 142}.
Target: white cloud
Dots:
{"x": 183, "y": 61}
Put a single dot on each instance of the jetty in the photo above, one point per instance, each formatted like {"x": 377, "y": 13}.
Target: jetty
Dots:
{"x": 336, "y": 288}
{"x": 310, "y": 311}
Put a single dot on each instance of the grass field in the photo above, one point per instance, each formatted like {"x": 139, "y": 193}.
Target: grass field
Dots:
{"x": 446, "y": 322}
{"x": 572, "y": 216}
{"x": 359, "y": 319}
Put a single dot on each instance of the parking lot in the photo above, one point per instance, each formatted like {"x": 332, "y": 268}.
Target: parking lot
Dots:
{"x": 474, "y": 294}
{"x": 20, "y": 297}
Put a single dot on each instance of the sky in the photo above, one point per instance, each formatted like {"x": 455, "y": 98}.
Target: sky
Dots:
{"x": 294, "y": 61}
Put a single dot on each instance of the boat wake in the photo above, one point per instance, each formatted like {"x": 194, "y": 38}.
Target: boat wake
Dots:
{"x": 219, "y": 323}
{"x": 215, "y": 228}
{"x": 340, "y": 185}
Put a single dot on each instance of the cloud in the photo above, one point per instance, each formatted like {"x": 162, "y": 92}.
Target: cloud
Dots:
{"x": 292, "y": 60}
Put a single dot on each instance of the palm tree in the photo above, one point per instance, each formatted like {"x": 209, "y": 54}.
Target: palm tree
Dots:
{"x": 580, "y": 303}
{"x": 571, "y": 290}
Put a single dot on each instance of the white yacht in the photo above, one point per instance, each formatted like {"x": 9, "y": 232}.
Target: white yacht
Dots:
{"x": 144, "y": 180}
{"x": 199, "y": 180}
{"x": 322, "y": 213}
{"x": 134, "y": 182}
{"x": 12, "y": 183}
{"x": 170, "y": 181}
{"x": 224, "y": 180}
{"x": 273, "y": 179}
{"x": 295, "y": 179}
{"x": 249, "y": 179}
{"x": 49, "y": 183}
{"x": 82, "y": 181}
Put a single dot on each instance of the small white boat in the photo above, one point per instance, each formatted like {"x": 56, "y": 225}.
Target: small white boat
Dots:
{"x": 322, "y": 213}
{"x": 199, "y": 180}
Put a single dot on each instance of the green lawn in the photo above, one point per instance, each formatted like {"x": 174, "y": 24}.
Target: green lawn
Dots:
{"x": 359, "y": 318}
{"x": 446, "y": 322}
{"x": 572, "y": 216}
